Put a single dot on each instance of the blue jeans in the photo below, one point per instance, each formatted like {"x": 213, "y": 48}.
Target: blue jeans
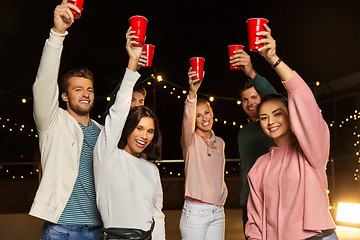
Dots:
{"x": 331, "y": 237}
{"x": 70, "y": 232}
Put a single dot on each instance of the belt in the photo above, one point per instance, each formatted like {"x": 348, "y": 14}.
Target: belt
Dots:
{"x": 321, "y": 235}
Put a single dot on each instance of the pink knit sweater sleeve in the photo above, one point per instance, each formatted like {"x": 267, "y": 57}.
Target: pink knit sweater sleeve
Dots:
{"x": 188, "y": 124}
{"x": 253, "y": 228}
{"x": 310, "y": 128}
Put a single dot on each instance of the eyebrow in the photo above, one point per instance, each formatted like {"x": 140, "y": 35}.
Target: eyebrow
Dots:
{"x": 252, "y": 95}
{"x": 82, "y": 87}
{"x": 144, "y": 127}
{"x": 272, "y": 111}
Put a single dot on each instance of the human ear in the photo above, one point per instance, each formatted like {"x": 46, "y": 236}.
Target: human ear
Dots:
{"x": 64, "y": 97}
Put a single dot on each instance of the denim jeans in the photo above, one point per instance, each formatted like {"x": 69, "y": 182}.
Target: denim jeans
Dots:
{"x": 330, "y": 237}
{"x": 202, "y": 221}
{"x": 70, "y": 232}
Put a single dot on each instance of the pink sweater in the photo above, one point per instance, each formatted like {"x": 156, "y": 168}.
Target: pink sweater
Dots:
{"x": 288, "y": 186}
{"x": 204, "y": 174}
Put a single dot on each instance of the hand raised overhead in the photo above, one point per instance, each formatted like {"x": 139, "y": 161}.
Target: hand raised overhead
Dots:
{"x": 63, "y": 17}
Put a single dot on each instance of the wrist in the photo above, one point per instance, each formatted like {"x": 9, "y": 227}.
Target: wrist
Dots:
{"x": 132, "y": 65}
{"x": 59, "y": 31}
{"x": 276, "y": 63}
{"x": 192, "y": 95}
{"x": 192, "y": 92}
{"x": 55, "y": 34}
{"x": 272, "y": 60}
{"x": 251, "y": 74}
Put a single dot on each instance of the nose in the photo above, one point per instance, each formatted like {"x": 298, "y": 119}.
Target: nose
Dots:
{"x": 270, "y": 120}
{"x": 144, "y": 135}
{"x": 136, "y": 103}
{"x": 251, "y": 102}
{"x": 85, "y": 93}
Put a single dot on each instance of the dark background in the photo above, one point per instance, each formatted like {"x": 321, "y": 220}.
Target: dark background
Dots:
{"x": 318, "y": 39}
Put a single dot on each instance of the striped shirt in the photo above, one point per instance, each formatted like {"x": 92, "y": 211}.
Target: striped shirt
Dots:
{"x": 81, "y": 207}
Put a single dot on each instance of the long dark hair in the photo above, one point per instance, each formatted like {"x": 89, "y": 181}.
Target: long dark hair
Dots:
{"x": 153, "y": 150}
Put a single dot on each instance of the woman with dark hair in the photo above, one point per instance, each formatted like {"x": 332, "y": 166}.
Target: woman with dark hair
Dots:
{"x": 153, "y": 150}
{"x": 128, "y": 187}
{"x": 288, "y": 185}
{"x": 203, "y": 214}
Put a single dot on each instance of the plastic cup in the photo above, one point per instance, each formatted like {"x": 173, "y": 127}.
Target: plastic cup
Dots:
{"x": 139, "y": 24}
{"x": 149, "y": 53}
{"x": 255, "y": 25}
{"x": 231, "y": 49}
{"x": 197, "y": 65}
{"x": 79, "y": 4}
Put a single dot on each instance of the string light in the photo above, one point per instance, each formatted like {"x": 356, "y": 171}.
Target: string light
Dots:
{"x": 178, "y": 92}
{"x": 357, "y": 153}
{"x": 13, "y": 127}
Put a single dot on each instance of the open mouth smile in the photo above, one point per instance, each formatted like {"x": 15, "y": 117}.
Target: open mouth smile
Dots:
{"x": 206, "y": 124}
{"x": 140, "y": 143}
{"x": 273, "y": 129}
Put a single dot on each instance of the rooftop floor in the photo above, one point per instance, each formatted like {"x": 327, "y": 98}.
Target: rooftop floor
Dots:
{"x": 23, "y": 226}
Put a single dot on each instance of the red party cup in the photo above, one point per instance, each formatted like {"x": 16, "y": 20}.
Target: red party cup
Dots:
{"x": 231, "y": 49}
{"x": 197, "y": 65}
{"x": 79, "y": 4}
{"x": 149, "y": 53}
{"x": 139, "y": 24}
{"x": 255, "y": 25}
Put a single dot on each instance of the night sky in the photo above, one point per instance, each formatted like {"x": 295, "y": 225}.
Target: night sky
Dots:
{"x": 318, "y": 39}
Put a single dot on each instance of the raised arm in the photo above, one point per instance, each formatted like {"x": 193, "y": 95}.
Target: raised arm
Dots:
{"x": 45, "y": 88}
{"x": 141, "y": 63}
{"x": 261, "y": 84}
{"x": 309, "y": 126}
{"x": 114, "y": 123}
{"x": 188, "y": 124}
{"x": 268, "y": 51}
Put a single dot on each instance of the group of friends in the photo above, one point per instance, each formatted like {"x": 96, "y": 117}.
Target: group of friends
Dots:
{"x": 98, "y": 184}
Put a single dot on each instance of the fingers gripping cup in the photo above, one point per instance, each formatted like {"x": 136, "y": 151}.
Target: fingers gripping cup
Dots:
{"x": 254, "y": 26}
{"x": 231, "y": 49}
{"x": 139, "y": 24}
{"x": 79, "y": 4}
{"x": 149, "y": 53}
{"x": 197, "y": 65}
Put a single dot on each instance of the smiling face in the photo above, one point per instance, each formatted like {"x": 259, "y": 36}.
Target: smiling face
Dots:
{"x": 138, "y": 99}
{"x": 250, "y": 100}
{"x": 79, "y": 97}
{"x": 275, "y": 121}
{"x": 141, "y": 137}
{"x": 204, "y": 117}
